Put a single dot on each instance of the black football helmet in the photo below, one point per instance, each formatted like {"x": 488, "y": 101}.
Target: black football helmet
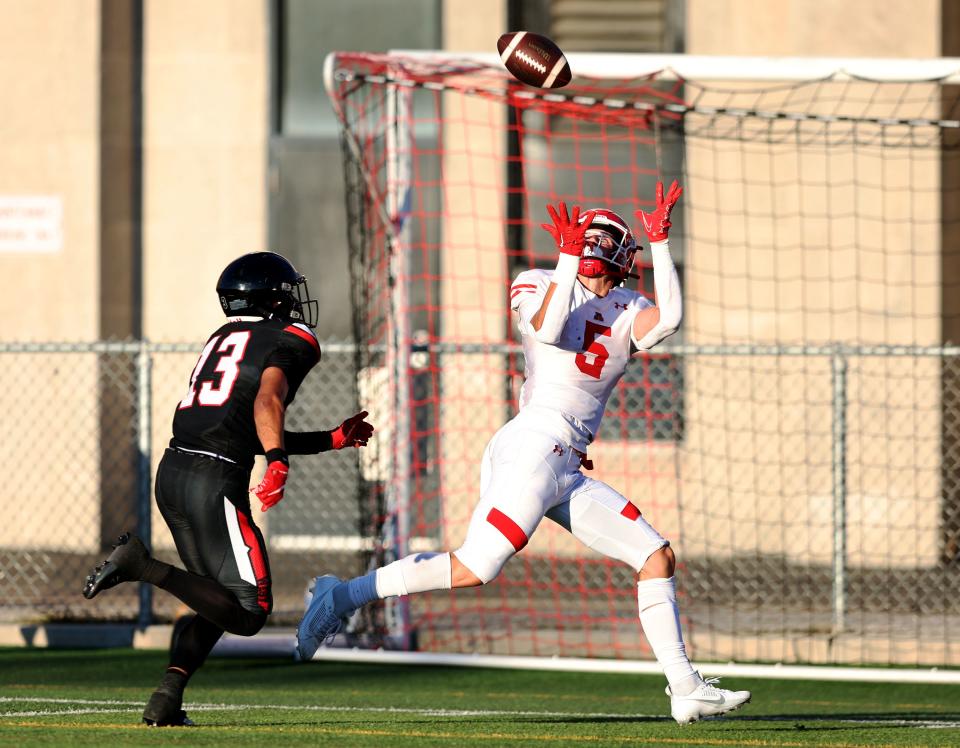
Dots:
{"x": 265, "y": 284}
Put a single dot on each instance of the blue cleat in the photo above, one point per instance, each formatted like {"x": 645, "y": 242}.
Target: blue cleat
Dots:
{"x": 320, "y": 621}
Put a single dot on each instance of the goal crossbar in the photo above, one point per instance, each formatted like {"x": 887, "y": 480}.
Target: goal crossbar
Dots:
{"x": 945, "y": 70}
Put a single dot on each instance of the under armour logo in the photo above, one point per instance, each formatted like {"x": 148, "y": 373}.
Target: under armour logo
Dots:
{"x": 558, "y": 449}
{"x": 618, "y": 305}
{"x": 597, "y": 317}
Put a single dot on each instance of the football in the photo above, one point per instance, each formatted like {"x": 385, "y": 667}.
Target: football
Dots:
{"x": 534, "y": 59}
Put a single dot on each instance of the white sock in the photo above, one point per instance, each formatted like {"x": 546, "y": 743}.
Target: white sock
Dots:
{"x": 419, "y": 572}
{"x": 657, "y": 601}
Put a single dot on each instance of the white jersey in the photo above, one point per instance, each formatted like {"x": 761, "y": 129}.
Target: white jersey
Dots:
{"x": 573, "y": 378}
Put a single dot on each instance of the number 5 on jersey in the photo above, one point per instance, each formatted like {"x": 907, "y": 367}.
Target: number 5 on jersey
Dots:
{"x": 231, "y": 350}
{"x": 590, "y": 345}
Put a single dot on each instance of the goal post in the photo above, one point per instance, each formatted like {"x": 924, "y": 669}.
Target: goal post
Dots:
{"x": 797, "y": 441}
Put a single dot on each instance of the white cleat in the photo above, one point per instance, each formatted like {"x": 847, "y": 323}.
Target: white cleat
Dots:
{"x": 320, "y": 621}
{"x": 706, "y": 700}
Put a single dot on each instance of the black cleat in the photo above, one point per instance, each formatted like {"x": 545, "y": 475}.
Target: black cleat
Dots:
{"x": 125, "y": 564}
{"x": 165, "y": 710}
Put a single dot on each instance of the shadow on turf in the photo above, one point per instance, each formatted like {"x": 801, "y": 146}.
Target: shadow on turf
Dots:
{"x": 800, "y": 721}
{"x": 867, "y": 717}
{"x": 787, "y": 724}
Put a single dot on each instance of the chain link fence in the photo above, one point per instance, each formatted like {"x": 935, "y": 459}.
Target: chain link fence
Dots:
{"x": 87, "y": 424}
{"x": 811, "y": 493}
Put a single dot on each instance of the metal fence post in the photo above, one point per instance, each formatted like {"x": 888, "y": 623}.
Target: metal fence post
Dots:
{"x": 838, "y": 370}
{"x": 144, "y": 493}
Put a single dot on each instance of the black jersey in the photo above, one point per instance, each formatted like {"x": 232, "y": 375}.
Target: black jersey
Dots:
{"x": 216, "y": 415}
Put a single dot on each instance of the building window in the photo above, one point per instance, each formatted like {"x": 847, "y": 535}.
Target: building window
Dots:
{"x": 308, "y": 30}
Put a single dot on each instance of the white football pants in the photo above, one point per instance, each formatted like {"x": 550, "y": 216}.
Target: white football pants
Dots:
{"x": 528, "y": 473}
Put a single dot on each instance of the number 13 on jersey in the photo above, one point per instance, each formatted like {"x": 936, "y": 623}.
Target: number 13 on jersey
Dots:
{"x": 591, "y": 332}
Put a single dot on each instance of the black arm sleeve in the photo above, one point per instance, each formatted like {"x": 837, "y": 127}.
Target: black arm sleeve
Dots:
{"x": 307, "y": 442}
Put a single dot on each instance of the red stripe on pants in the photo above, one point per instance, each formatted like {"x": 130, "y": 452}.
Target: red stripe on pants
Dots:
{"x": 630, "y": 511}
{"x": 510, "y": 529}
{"x": 255, "y": 555}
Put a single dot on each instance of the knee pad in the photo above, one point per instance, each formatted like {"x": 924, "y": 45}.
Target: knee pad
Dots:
{"x": 487, "y": 549}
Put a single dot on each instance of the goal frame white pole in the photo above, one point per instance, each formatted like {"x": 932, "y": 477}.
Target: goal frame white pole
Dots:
{"x": 725, "y": 68}
{"x": 398, "y": 489}
{"x": 282, "y": 645}
{"x": 642, "y": 667}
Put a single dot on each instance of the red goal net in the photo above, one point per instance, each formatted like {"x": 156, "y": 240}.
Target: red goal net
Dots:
{"x": 750, "y": 439}
{"x": 451, "y": 171}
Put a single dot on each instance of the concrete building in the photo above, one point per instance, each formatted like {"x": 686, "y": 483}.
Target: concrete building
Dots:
{"x": 146, "y": 143}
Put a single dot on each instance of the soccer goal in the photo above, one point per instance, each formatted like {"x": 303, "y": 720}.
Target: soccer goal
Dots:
{"x": 798, "y": 440}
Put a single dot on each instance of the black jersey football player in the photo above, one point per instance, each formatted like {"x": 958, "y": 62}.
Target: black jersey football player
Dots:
{"x": 246, "y": 376}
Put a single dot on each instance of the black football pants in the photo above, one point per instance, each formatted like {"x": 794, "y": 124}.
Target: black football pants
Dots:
{"x": 205, "y": 504}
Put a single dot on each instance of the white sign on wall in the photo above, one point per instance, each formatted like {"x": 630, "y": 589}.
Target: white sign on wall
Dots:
{"x": 31, "y": 223}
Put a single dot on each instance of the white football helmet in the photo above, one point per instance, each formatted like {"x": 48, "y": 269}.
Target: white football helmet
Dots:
{"x": 610, "y": 246}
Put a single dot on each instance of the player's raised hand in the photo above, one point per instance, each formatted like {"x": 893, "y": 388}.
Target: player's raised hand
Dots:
{"x": 271, "y": 486}
{"x": 568, "y": 232}
{"x": 354, "y": 432}
{"x": 657, "y": 224}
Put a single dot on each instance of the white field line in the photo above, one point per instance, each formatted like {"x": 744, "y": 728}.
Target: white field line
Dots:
{"x": 315, "y": 708}
{"x": 67, "y": 712}
{"x": 124, "y": 707}
{"x": 48, "y": 700}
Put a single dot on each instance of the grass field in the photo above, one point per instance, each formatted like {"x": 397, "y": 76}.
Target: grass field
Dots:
{"x": 96, "y": 697}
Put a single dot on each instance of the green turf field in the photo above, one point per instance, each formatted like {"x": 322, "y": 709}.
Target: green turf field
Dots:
{"x": 95, "y": 698}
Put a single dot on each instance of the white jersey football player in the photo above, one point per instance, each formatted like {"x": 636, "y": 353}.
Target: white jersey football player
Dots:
{"x": 579, "y": 326}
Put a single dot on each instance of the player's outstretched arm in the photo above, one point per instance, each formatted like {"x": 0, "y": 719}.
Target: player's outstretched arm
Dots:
{"x": 568, "y": 234}
{"x": 268, "y": 416}
{"x": 658, "y": 322}
{"x": 353, "y": 432}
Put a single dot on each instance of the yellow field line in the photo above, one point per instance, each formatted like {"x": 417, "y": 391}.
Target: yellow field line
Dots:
{"x": 453, "y": 736}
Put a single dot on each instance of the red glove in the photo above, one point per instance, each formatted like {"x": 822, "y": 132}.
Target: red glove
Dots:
{"x": 657, "y": 224}
{"x": 354, "y": 432}
{"x": 274, "y": 481}
{"x": 568, "y": 232}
